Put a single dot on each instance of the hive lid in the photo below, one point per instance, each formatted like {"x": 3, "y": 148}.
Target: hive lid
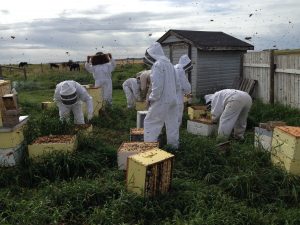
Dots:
{"x": 152, "y": 156}
{"x": 294, "y": 131}
{"x": 137, "y": 146}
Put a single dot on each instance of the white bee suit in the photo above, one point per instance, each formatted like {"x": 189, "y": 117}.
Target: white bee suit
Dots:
{"x": 69, "y": 87}
{"x": 163, "y": 99}
{"x": 102, "y": 76}
{"x": 232, "y": 108}
{"x": 185, "y": 86}
{"x": 131, "y": 88}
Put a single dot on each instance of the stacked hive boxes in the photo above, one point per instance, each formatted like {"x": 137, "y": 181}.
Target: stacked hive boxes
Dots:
{"x": 52, "y": 144}
{"x": 130, "y": 148}
{"x": 96, "y": 93}
{"x": 286, "y": 148}
{"x": 10, "y": 112}
{"x": 150, "y": 173}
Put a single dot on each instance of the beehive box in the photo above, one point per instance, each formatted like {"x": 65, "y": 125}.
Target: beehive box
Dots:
{"x": 130, "y": 148}
{"x": 48, "y": 105}
{"x": 10, "y": 137}
{"x": 83, "y": 128}
{"x": 140, "y": 106}
{"x": 140, "y": 117}
{"x": 10, "y": 118}
{"x": 286, "y": 148}
{"x": 51, "y": 144}
{"x": 96, "y": 93}
{"x": 1, "y": 124}
{"x": 150, "y": 173}
{"x": 10, "y": 102}
{"x": 5, "y": 88}
{"x": 197, "y": 111}
{"x": 11, "y": 156}
{"x": 136, "y": 134}
{"x": 270, "y": 125}
{"x": 263, "y": 138}
{"x": 201, "y": 127}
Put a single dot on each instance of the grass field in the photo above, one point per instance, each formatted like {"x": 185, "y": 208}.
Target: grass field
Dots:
{"x": 87, "y": 188}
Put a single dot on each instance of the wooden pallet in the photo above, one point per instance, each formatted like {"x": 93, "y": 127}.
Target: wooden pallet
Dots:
{"x": 246, "y": 85}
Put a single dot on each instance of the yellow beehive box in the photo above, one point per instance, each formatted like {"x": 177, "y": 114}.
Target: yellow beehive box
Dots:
{"x": 290, "y": 165}
{"x": 83, "y": 128}
{"x": 96, "y": 93}
{"x": 136, "y": 134}
{"x": 48, "y": 105}
{"x": 51, "y": 144}
{"x": 11, "y": 137}
{"x": 130, "y": 148}
{"x": 140, "y": 106}
{"x": 286, "y": 139}
{"x": 197, "y": 111}
{"x": 150, "y": 173}
{"x": 286, "y": 148}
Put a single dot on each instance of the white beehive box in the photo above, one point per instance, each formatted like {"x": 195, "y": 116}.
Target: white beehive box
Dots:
{"x": 130, "y": 148}
{"x": 140, "y": 117}
{"x": 11, "y": 156}
{"x": 263, "y": 138}
{"x": 201, "y": 128}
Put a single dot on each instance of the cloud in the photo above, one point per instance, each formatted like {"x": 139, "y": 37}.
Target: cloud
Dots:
{"x": 4, "y": 12}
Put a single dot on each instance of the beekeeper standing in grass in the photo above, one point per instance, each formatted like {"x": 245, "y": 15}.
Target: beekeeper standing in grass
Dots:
{"x": 184, "y": 66}
{"x": 69, "y": 96}
{"x": 131, "y": 88}
{"x": 163, "y": 97}
{"x": 231, "y": 108}
{"x": 101, "y": 70}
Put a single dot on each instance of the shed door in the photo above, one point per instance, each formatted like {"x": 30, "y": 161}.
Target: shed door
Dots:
{"x": 217, "y": 70}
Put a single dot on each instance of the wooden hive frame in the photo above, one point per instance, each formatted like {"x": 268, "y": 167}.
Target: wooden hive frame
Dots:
{"x": 136, "y": 134}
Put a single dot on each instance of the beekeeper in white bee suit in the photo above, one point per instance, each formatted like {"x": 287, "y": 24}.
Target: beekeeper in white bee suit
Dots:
{"x": 184, "y": 66}
{"x": 102, "y": 76}
{"x": 163, "y": 97}
{"x": 69, "y": 96}
{"x": 145, "y": 87}
{"x": 231, "y": 108}
{"x": 131, "y": 87}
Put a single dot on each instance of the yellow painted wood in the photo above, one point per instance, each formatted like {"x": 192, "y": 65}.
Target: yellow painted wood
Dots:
{"x": 11, "y": 139}
{"x": 96, "y": 94}
{"x": 286, "y": 143}
{"x": 290, "y": 165}
{"x": 197, "y": 111}
{"x": 5, "y": 88}
{"x": 136, "y": 176}
{"x": 36, "y": 150}
{"x": 140, "y": 106}
{"x": 48, "y": 105}
{"x": 138, "y": 165}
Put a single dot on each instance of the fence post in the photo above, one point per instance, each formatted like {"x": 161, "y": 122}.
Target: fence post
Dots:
{"x": 272, "y": 73}
{"x": 42, "y": 67}
{"x": 25, "y": 74}
{"x": 0, "y": 71}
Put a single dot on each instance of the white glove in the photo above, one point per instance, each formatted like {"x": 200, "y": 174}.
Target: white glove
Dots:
{"x": 90, "y": 116}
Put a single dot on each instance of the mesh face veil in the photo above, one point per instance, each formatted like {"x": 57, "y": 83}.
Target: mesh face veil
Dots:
{"x": 188, "y": 67}
{"x": 69, "y": 99}
{"x": 148, "y": 59}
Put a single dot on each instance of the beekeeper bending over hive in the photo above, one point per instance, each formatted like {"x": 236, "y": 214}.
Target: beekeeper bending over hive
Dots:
{"x": 131, "y": 87}
{"x": 163, "y": 97}
{"x": 231, "y": 108}
{"x": 145, "y": 87}
{"x": 69, "y": 96}
{"x": 184, "y": 66}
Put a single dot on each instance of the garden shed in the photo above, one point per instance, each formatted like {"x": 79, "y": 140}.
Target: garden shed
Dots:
{"x": 216, "y": 57}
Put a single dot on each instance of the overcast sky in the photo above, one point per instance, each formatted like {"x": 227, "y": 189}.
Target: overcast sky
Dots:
{"x": 56, "y": 31}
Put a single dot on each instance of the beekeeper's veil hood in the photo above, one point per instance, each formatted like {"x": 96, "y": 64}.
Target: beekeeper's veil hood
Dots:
{"x": 154, "y": 53}
{"x": 208, "y": 98}
{"x": 68, "y": 93}
{"x": 186, "y": 63}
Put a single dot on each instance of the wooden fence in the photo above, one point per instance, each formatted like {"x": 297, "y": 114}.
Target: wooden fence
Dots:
{"x": 13, "y": 68}
{"x": 278, "y": 76}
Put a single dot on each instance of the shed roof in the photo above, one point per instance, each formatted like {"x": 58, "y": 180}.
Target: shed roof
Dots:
{"x": 208, "y": 40}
